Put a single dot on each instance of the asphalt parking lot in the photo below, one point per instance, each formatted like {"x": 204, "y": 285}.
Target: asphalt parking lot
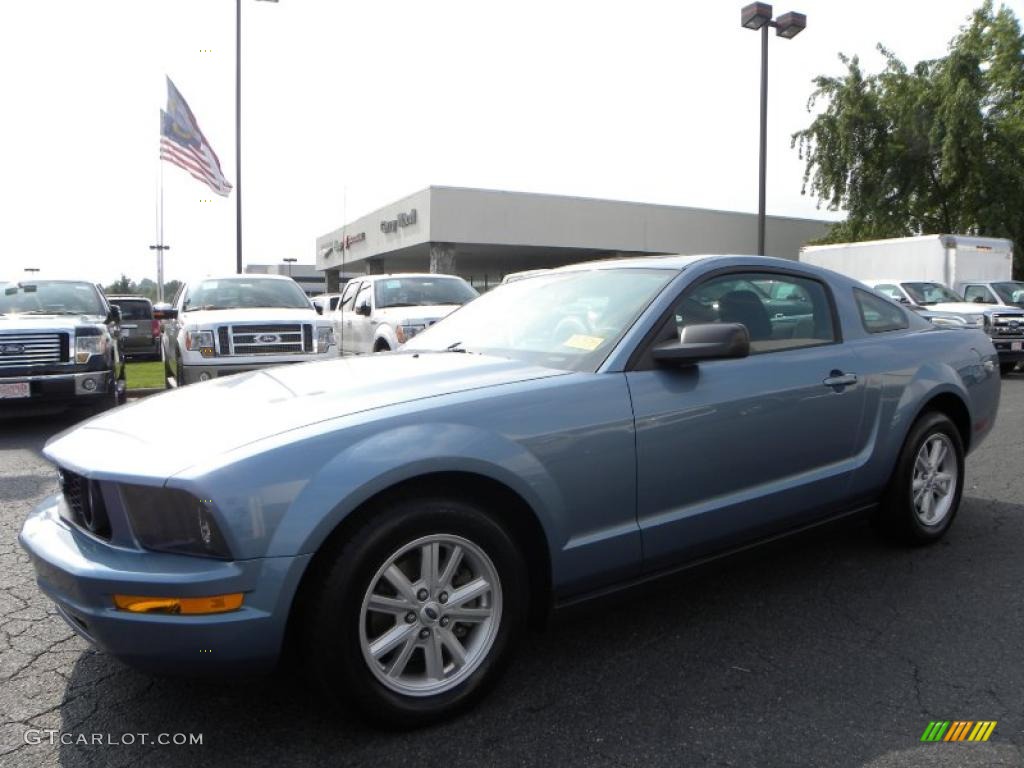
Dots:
{"x": 828, "y": 650}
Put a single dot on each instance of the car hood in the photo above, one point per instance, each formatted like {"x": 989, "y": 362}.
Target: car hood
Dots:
{"x": 966, "y": 307}
{"x": 164, "y": 434}
{"x": 13, "y": 322}
{"x": 248, "y": 315}
{"x": 396, "y": 315}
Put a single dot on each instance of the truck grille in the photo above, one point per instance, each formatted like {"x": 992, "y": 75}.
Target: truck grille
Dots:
{"x": 27, "y": 348}
{"x": 85, "y": 502}
{"x": 1007, "y": 326}
{"x": 243, "y": 340}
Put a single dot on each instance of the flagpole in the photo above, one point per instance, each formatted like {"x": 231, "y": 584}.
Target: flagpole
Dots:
{"x": 160, "y": 242}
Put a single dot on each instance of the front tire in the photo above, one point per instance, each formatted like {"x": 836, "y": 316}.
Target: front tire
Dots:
{"x": 414, "y": 617}
{"x": 925, "y": 491}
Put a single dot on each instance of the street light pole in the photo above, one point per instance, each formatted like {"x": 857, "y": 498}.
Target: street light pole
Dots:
{"x": 238, "y": 134}
{"x": 160, "y": 248}
{"x": 289, "y": 261}
{"x": 758, "y": 16}
{"x": 763, "y": 159}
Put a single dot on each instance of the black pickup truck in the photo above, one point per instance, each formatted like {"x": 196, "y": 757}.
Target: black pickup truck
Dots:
{"x": 59, "y": 345}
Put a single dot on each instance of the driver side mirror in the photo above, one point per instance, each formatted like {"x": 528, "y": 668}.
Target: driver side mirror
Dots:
{"x": 165, "y": 314}
{"x": 708, "y": 341}
{"x": 319, "y": 309}
{"x": 115, "y": 314}
{"x": 363, "y": 309}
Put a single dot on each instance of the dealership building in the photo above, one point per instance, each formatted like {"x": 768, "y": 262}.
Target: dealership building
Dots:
{"x": 484, "y": 234}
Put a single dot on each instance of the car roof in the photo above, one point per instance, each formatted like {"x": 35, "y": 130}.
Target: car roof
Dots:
{"x": 119, "y": 297}
{"x": 372, "y": 278}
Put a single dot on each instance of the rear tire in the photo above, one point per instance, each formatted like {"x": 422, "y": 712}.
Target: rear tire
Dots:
{"x": 381, "y": 624}
{"x": 381, "y": 346}
{"x": 1007, "y": 368}
{"x": 925, "y": 490}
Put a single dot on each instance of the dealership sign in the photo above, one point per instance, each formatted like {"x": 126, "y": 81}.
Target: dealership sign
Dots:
{"x": 389, "y": 226}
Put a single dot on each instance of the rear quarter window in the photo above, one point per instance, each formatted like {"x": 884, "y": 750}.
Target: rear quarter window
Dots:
{"x": 879, "y": 315}
{"x": 134, "y": 310}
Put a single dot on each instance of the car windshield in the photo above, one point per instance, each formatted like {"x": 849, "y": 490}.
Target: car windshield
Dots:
{"x": 235, "y": 293}
{"x": 1010, "y": 293}
{"x": 421, "y": 291}
{"x": 930, "y": 293}
{"x": 51, "y": 297}
{"x": 568, "y": 320}
{"x": 134, "y": 310}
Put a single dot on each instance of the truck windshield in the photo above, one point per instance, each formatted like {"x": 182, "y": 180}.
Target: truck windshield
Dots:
{"x": 422, "y": 291}
{"x": 1011, "y": 292}
{"x": 930, "y": 293}
{"x": 50, "y": 297}
{"x": 243, "y": 292}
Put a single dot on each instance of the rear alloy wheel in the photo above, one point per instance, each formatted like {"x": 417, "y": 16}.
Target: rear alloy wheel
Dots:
{"x": 925, "y": 491}
{"x": 414, "y": 617}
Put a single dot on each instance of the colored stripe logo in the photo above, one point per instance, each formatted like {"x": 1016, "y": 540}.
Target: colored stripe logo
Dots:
{"x": 958, "y": 730}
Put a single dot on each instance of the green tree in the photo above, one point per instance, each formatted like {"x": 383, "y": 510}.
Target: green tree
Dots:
{"x": 121, "y": 286}
{"x": 938, "y": 148}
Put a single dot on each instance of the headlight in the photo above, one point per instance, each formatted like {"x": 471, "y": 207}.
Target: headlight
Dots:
{"x": 171, "y": 520}
{"x": 324, "y": 338}
{"x": 974, "y": 321}
{"x": 87, "y": 346}
{"x": 201, "y": 340}
{"x": 408, "y": 330}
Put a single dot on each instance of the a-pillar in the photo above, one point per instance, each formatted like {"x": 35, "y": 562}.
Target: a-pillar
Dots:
{"x": 442, "y": 258}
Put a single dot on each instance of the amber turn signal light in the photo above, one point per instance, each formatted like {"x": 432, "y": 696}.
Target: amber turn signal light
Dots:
{"x": 182, "y": 605}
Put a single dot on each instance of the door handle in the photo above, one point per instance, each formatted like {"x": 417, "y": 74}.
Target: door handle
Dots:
{"x": 840, "y": 379}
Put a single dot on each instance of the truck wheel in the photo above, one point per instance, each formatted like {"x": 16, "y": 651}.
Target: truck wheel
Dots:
{"x": 1007, "y": 368}
{"x": 924, "y": 494}
{"x": 414, "y": 617}
{"x": 381, "y": 346}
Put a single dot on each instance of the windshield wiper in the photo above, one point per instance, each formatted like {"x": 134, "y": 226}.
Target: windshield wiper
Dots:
{"x": 401, "y": 304}
{"x": 203, "y": 307}
{"x": 455, "y": 347}
{"x": 52, "y": 312}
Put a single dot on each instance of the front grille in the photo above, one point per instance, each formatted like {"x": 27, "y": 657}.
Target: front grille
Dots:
{"x": 85, "y": 502}
{"x": 30, "y": 348}
{"x": 1007, "y": 326}
{"x": 223, "y": 340}
{"x": 262, "y": 339}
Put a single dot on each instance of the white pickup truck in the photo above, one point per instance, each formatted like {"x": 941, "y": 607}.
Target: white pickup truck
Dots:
{"x": 224, "y": 325}
{"x": 379, "y": 313}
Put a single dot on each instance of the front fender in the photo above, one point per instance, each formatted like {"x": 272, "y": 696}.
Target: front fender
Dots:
{"x": 383, "y": 460}
{"x": 386, "y": 332}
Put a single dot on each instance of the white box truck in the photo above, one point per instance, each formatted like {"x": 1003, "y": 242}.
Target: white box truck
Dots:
{"x": 918, "y": 271}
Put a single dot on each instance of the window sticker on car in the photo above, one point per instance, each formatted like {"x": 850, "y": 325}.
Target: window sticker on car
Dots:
{"x": 393, "y": 284}
{"x": 579, "y": 341}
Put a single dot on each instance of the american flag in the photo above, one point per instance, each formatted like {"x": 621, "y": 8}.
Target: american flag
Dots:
{"x": 182, "y": 143}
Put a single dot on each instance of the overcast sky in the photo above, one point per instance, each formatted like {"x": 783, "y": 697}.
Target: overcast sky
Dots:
{"x": 350, "y": 105}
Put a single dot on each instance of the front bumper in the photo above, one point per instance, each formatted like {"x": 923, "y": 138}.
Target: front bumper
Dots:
{"x": 81, "y": 573}
{"x": 216, "y": 369}
{"x": 65, "y": 388}
{"x": 1010, "y": 350}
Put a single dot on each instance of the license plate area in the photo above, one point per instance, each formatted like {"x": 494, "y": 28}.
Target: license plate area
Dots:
{"x": 1016, "y": 346}
{"x": 14, "y": 389}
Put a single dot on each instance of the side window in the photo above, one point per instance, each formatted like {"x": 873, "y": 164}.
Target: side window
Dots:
{"x": 892, "y": 291}
{"x": 803, "y": 318}
{"x": 349, "y": 294}
{"x": 877, "y": 314}
{"x": 363, "y": 297}
{"x": 979, "y": 294}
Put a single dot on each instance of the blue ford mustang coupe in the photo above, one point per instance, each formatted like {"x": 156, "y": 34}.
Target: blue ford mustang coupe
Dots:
{"x": 403, "y": 517}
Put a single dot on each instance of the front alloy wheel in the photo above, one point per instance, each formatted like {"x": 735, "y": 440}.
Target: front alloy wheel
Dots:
{"x": 411, "y": 616}
{"x": 430, "y": 615}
